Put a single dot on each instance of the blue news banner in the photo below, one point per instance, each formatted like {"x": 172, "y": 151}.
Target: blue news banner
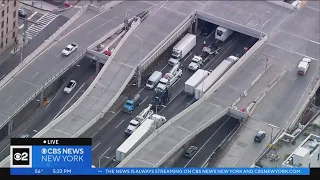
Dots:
{"x": 38, "y": 156}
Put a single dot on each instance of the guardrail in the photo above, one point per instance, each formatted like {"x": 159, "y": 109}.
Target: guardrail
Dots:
{"x": 29, "y": 59}
{"x": 86, "y": 93}
{"x": 54, "y": 74}
{"x": 196, "y": 104}
{"x": 284, "y": 4}
{"x": 164, "y": 44}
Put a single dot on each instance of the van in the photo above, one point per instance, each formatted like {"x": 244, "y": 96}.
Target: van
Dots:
{"x": 153, "y": 80}
{"x": 222, "y": 33}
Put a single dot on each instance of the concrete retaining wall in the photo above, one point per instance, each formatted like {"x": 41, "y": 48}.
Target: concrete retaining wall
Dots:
{"x": 284, "y": 4}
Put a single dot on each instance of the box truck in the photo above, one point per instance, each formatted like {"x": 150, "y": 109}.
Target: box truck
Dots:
{"x": 191, "y": 84}
{"x": 145, "y": 130}
{"x": 222, "y": 33}
{"x": 214, "y": 76}
{"x": 183, "y": 47}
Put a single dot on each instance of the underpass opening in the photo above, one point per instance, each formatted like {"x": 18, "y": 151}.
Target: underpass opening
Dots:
{"x": 206, "y": 142}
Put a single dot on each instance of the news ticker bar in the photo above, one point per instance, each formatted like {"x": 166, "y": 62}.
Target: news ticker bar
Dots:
{"x": 51, "y": 141}
{"x": 160, "y": 171}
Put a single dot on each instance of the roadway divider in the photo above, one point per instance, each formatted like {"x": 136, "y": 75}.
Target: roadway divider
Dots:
{"x": 245, "y": 93}
{"x": 194, "y": 105}
{"x": 316, "y": 81}
{"x": 29, "y": 59}
{"x": 252, "y": 106}
{"x": 166, "y": 43}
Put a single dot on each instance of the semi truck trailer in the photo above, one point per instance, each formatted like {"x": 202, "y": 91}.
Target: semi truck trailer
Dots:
{"x": 191, "y": 84}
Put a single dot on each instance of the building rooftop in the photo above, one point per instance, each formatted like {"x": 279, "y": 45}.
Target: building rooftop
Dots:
{"x": 304, "y": 140}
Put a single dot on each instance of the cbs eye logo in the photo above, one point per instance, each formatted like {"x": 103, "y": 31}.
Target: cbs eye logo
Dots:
{"x": 21, "y": 156}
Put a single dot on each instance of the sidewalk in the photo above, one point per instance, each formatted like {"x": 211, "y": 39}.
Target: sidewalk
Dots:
{"x": 44, "y": 6}
{"x": 7, "y": 54}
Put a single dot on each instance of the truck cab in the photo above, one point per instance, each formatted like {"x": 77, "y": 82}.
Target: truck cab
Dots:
{"x": 131, "y": 103}
{"x": 303, "y": 66}
{"x": 196, "y": 63}
{"x": 133, "y": 125}
{"x": 163, "y": 84}
{"x": 161, "y": 98}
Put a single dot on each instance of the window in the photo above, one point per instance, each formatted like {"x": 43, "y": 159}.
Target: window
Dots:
{"x": 1, "y": 34}
{"x": 309, "y": 164}
{"x": 2, "y": 1}
{"x": 7, "y": 30}
{"x": 2, "y": 24}
{"x": 14, "y": 24}
{"x": 13, "y": 35}
{"x": 6, "y": 40}
{"x": 1, "y": 45}
{"x": 7, "y": 20}
{"x": 14, "y": 14}
{"x": 3, "y": 13}
{"x": 8, "y": 9}
{"x": 318, "y": 156}
{"x": 14, "y": 3}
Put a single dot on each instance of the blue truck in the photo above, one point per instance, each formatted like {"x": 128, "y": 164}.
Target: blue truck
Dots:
{"x": 131, "y": 103}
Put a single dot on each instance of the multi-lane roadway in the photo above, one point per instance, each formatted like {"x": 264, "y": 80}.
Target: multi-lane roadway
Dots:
{"x": 208, "y": 140}
{"x": 106, "y": 139}
{"x": 83, "y": 73}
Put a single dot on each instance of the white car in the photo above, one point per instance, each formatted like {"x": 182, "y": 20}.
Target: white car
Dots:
{"x": 195, "y": 64}
{"x": 69, "y": 49}
{"x": 71, "y": 85}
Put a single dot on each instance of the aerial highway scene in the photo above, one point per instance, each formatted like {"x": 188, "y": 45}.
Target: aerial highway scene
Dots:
{"x": 154, "y": 84}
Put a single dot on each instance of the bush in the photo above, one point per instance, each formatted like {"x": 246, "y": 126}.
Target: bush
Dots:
{"x": 305, "y": 134}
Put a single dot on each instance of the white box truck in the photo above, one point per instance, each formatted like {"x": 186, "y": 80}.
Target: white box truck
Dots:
{"x": 183, "y": 47}
{"x": 139, "y": 135}
{"x": 214, "y": 76}
{"x": 222, "y": 33}
{"x": 153, "y": 80}
{"x": 191, "y": 84}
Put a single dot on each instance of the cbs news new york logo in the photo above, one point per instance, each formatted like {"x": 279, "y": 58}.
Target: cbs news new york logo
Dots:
{"x": 21, "y": 156}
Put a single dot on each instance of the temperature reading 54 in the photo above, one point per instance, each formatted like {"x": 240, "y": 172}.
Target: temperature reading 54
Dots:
{"x": 38, "y": 171}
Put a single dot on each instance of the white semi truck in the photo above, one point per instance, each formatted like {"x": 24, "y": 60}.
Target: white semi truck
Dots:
{"x": 169, "y": 78}
{"x": 183, "y": 47}
{"x": 191, "y": 84}
{"x": 214, "y": 76}
{"x": 145, "y": 130}
{"x": 139, "y": 119}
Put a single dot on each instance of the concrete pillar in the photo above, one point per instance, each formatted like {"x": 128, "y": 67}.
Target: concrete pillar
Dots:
{"x": 138, "y": 78}
{"x": 190, "y": 29}
{"x": 10, "y": 124}
{"x": 97, "y": 67}
{"x": 196, "y": 26}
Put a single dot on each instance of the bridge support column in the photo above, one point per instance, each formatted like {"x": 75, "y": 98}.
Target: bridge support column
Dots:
{"x": 97, "y": 67}
{"x": 195, "y": 26}
{"x": 138, "y": 77}
{"x": 10, "y": 125}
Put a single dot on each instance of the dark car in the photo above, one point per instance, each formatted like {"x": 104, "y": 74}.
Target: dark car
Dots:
{"x": 259, "y": 136}
{"x": 191, "y": 151}
{"x": 204, "y": 32}
{"x": 22, "y": 13}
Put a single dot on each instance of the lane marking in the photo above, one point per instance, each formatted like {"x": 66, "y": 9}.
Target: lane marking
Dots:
{"x": 138, "y": 91}
{"x": 33, "y": 14}
{"x": 164, "y": 67}
{"x": 210, "y": 34}
{"x": 119, "y": 124}
{"x": 68, "y": 102}
{"x": 8, "y": 99}
{"x": 206, "y": 142}
{"x": 35, "y": 131}
{"x": 95, "y": 146}
{"x": 35, "y": 75}
{"x": 107, "y": 122}
{"x": 144, "y": 100}
{"x": 101, "y": 25}
{"x": 105, "y": 152}
{"x": 64, "y": 84}
{"x": 188, "y": 103}
{"x": 22, "y": 25}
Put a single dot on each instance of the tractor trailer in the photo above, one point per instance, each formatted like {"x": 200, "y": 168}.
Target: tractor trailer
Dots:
{"x": 191, "y": 84}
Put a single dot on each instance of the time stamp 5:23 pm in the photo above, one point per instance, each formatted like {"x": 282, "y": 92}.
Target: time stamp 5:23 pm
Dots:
{"x": 54, "y": 171}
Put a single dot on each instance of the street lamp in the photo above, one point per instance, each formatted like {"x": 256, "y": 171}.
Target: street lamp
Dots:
{"x": 263, "y": 23}
{"x": 158, "y": 106}
{"x": 272, "y": 126}
{"x": 106, "y": 157}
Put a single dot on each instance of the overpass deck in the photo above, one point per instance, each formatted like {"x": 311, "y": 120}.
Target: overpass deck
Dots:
{"x": 114, "y": 76}
{"x": 288, "y": 42}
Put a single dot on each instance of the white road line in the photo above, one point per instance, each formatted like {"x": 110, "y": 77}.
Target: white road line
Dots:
{"x": 2, "y": 76}
{"x": 206, "y": 142}
{"x": 33, "y": 14}
{"x": 105, "y": 151}
{"x": 188, "y": 104}
{"x": 299, "y": 37}
{"x": 22, "y": 25}
{"x": 35, "y": 131}
{"x": 95, "y": 146}
{"x": 144, "y": 100}
{"x": 8, "y": 99}
{"x": 187, "y": 57}
{"x": 68, "y": 101}
{"x": 219, "y": 55}
{"x": 67, "y": 81}
{"x": 119, "y": 124}
{"x": 138, "y": 91}
{"x": 59, "y": 54}
{"x": 164, "y": 67}
{"x": 35, "y": 75}
{"x": 101, "y": 25}
{"x": 114, "y": 115}
{"x": 210, "y": 34}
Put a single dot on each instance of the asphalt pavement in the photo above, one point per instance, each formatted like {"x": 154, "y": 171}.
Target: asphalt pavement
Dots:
{"x": 208, "y": 140}
{"x": 109, "y": 137}
{"x": 32, "y": 45}
{"x": 83, "y": 74}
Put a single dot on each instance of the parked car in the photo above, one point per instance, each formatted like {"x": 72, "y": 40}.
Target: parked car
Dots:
{"x": 22, "y": 13}
{"x": 191, "y": 151}
{"x": 259, "y": 136}
{"x": 69, "y": 49}
{"x": 71, "y": 85}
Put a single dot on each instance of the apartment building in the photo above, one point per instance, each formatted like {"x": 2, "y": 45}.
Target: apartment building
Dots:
{"x": 9, "y": 24}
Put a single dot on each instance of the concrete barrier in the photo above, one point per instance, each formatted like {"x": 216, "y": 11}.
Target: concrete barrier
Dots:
{"x": 29, "y": 59}
{"x": 284, "y": 4}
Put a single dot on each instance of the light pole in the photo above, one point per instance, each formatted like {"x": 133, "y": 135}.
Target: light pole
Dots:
{"x": 158, "y": 106}
{"x": 107, "y": 157}
{"x": 272, "y": 126}
{"x": 263, "y": 23}
{"x": 138, "y": 69}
